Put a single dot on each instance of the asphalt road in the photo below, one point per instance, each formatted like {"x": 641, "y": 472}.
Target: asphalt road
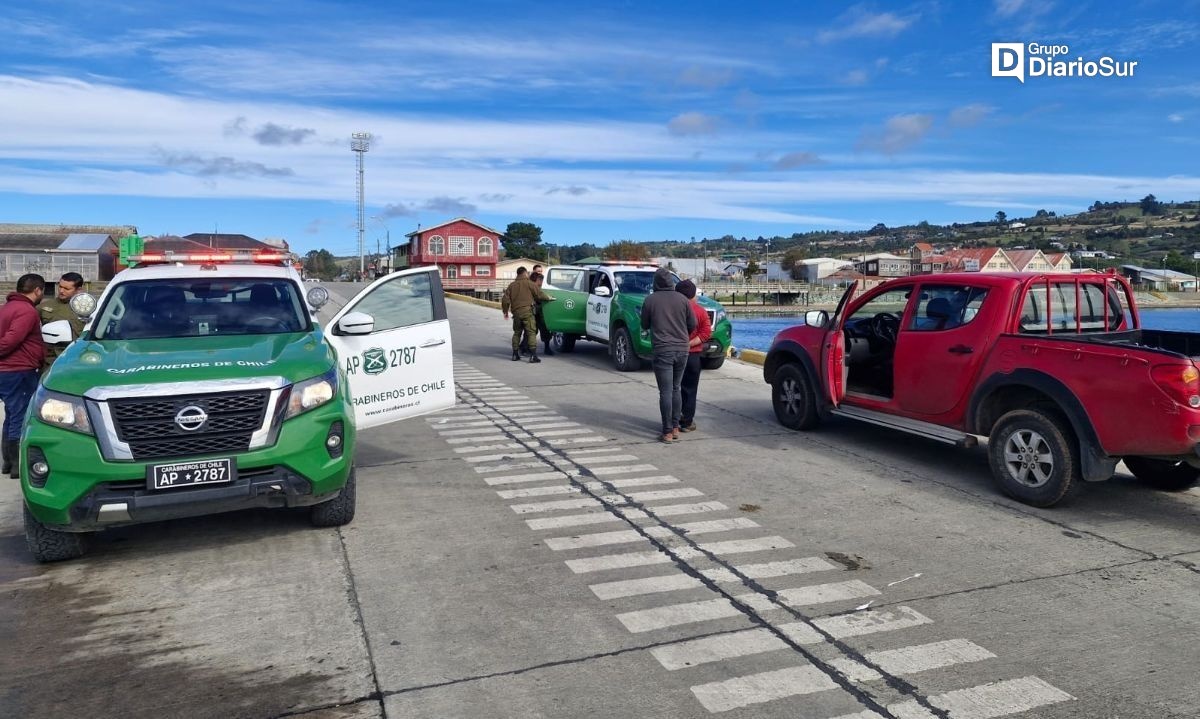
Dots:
{"x": 536, "y": 553}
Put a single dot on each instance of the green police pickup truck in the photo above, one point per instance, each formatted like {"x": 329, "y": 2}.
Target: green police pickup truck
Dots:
{"x": 203, "y": 384}
{"x": 603, "y": 303}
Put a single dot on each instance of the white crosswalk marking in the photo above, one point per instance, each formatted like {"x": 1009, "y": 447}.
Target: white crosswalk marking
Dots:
{"x": 911, "y": 660}
{"x": 758, "y": 688}
{"x": 554, "y": 506}
{"x": 645, "y": 620}
{"x": 634, "y": 482}
{"x": 653, "y": 496}
{"x": 672, "y": 582}
{"x": 574, "y": 520}
{"x": 489, "y": 447}
{"x": 519, "y": 478}
{"x": 632, "y": 535}
{"x": 589, "y": 461}
{"x": 495, "y": 457}
{"x": 988, "y": 700}
{"x": 623, "y": 469}
{"x": 640, "y": 559}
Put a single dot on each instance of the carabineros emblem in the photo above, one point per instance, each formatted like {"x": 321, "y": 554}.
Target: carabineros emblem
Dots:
{"x": 374, "y": 361}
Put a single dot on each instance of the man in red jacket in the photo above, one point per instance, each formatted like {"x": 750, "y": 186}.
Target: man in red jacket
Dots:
{"x": 691, "y": 372}
{"x": 21, "y": 354}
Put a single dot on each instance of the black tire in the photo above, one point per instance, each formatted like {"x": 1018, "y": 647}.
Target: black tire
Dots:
{"x": 560, "y": 342}
{"x": 623, "y": 356}
{"x": 1163, "y": 473}
{"x": 712, "y": 362}
{"x": 1034, "y": 457}
{"x": 339, "y": 510}
{"x": 794, "y": 398}
{"x": 48, "y": 545}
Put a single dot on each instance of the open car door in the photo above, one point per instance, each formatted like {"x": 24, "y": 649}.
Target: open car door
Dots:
{"x": 567, "y": 284}
{"x": 393, "y": 341}
{"x": 834, "y": 346}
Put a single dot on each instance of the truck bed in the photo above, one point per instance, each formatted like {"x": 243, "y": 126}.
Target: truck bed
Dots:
{"x": 1186, "y": 344}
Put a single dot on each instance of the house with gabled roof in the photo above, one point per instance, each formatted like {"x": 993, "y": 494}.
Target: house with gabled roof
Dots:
{"x": 1029, "y": 261}
{"x": 461, "y": 249}
{"x": 982, "y": 259}
{"x": 52, "y": 251}
{"x": 1060, "y": 261}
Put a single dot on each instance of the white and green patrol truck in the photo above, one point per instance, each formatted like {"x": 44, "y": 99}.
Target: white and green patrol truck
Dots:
{"x": 203, "y": 384}
{"x": 603, "y": 303}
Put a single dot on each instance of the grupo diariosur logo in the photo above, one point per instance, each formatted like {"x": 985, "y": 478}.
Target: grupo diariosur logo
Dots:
{"x": 1022, "y": 60}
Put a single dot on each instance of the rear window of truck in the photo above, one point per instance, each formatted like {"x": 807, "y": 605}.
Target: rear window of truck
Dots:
{"x": 1051, "y": 307}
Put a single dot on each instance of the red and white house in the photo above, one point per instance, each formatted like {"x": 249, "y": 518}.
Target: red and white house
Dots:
{"x": 464, "y": 251}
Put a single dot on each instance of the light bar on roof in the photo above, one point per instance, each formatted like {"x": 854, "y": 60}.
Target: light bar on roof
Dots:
{"x": 149, "y": 258}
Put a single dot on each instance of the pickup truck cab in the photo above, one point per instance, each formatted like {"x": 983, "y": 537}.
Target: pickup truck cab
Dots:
{"x": 603, "y": 303}
{"x": 205, "y": 384}
{"x": 1054, "y": 369}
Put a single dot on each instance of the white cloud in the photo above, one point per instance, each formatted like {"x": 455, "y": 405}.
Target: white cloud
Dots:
{"x": 899, "y": 133}
{"x": 856, "y": 77}
{"x": 1008, "y": 8}
{"x": 792, "y": 160}
{"x": 693, "y": 123}
{"x": 858, "y": 22}
{"x": 1175, "y": 117}
{"x": 969, "y": 115}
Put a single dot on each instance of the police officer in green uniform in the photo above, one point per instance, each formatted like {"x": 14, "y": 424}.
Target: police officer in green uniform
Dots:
{"x": 521, "y": 296}
{"x": 56, "y": 308}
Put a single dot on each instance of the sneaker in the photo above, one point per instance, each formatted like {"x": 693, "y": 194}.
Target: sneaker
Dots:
{"x": 667, "y": 438}
{"x": 689, "y": 427}
{"x": 675, "y": 433}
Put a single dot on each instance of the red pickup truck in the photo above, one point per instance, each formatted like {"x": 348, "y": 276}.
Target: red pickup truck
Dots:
{"x": 1054, "y": 369}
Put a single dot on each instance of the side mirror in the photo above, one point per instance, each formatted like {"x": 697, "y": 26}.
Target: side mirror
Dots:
{"x": 816, "y": 318}
{"x": 83, "y": 305}
{"x": 602, "y": 292}
{"x": 57, "y": 332}
{"x": 356, "y": 323}
{"x": 317, "y": 297}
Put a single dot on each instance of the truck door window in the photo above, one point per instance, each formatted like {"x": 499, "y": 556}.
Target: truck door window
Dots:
{"x": 403, "y": 302}
{"x": 944, "y": 307}
{"x": 602, "y": 281}
{"x": 568, "y": 279}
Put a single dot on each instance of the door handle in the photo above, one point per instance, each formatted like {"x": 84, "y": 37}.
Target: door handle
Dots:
{"x": 961, "y": 350}
{"x": 433, "y": 343}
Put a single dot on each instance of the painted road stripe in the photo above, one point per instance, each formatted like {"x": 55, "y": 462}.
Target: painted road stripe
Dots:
{"x": 464, "y": 432}
{"x": 495, "y": 437}
{"x": 559, "y": 432}
{"x": 512, "y": 465}
{"x": 672, "y": 582}
{"x": 764, "y": 687}
{"x": 911, "y": 660}
{"x": 494, "y": 457}
{"x": 634, "y": 482}
{"x": 572, "y": 520}
{"x": 588, "y": 439}
{"x": 592, "y": 450}
{"x": 645, "y": 620}
{"x": 624, "y": 469}
{"x": 639, "y": 559}
{"x": 553, "y": 506}
{"x": 519, "y": 478}
{"x": 653, "y": 496}
{"x": 589, "y": 461}
{"x": 632, "y": 535}
{"x": 988, "y": 700}
{"x": 489, "y": 447}
{"x": 538, "y": 491}
{"x": 845, "y": 626}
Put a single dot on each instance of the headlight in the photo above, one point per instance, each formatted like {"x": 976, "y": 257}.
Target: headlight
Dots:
{"x": 312, "y": 393}
{"x": 62, "y": 410}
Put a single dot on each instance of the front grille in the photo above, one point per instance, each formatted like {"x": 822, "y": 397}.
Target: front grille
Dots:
{"x": 148, "y": 424}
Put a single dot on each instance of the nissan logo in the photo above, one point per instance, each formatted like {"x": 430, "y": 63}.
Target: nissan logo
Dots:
{"x": 191, "y": 418}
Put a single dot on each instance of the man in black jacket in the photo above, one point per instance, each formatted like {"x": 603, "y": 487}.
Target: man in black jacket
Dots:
{"x": 668, "y": 316}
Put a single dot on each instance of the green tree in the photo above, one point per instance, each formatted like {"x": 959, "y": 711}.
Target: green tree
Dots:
{"x": 1001, "y": 217}
{"x": 752, "y": 269}
{"x": 1151, "y": 206}
{"x": 626, "y": 250}
{"x": 321, "y": 264}
{"x": 523, "y": 239}
{"x": 792, "y": 262}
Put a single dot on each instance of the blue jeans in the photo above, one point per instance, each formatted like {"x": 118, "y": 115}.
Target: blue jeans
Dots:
{"x": 16, "y": 388}
{"x": 668, "y": 373}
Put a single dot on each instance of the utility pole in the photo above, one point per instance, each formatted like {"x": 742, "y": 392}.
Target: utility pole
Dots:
{"x": 360, "y": 143}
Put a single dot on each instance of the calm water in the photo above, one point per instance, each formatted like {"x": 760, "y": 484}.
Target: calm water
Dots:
{"x": 756, "y": 333}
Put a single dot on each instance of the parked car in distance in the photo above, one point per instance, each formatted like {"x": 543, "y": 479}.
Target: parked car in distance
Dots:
{"x": 1054, "y": 369}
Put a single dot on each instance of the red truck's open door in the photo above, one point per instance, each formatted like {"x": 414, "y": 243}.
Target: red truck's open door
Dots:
{"x": 834, "y": 345}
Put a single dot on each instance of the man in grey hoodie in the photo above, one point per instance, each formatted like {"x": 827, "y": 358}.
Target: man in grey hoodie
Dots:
{"x": 668, "y": 315}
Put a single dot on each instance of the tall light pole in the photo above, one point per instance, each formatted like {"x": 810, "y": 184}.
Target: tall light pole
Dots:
{"x": 360, "y": 143}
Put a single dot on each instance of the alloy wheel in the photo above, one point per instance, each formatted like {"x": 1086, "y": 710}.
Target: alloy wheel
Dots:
{"x": 1028, "y": 458}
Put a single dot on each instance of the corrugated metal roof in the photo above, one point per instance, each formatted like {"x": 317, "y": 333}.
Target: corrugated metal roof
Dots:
{"x": 36, "y": 242}
{"x": 80, "y": 241}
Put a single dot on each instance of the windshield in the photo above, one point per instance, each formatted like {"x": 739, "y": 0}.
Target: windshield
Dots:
{"x": 638, "y": 283}
{"x": 198, "y": 307}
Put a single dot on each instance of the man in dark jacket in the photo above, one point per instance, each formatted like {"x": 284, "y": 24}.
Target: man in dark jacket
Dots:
{"x": 520, "y": 296}
{"x": 668, "y": 316}
{"x": 21, "y": 355}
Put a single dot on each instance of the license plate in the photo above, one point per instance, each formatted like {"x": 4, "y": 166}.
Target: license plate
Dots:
{"x": 190, "y": 474}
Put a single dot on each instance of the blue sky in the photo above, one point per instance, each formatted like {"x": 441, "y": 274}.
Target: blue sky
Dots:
{"x": 619, "y": 120}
